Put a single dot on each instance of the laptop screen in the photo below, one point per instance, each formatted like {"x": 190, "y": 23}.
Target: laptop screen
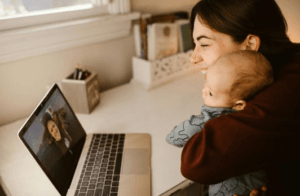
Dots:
{"x": 55, "y": 138}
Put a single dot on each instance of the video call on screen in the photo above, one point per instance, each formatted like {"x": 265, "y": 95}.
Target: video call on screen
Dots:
{"x": 52, "y": 136}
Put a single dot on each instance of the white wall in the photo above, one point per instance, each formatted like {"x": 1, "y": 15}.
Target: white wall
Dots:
{"x": 291, "y": 11}
{"x": 23, "y": 83}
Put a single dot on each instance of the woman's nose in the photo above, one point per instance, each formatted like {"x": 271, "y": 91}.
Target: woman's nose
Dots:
{"x": 203, "y": 91}
{"x": 196, "y": 57}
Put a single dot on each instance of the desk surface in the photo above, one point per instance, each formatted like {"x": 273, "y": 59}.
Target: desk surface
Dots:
{"x": 128, "y": 108}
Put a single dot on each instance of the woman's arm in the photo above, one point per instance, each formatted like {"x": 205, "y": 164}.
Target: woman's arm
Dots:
{"x": 266, "y": 132}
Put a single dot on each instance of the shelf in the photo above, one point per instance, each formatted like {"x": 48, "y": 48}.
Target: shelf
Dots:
{"x": 158, "y": 72}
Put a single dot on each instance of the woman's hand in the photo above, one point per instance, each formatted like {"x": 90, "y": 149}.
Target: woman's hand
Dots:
{"x": 255, "y": 192}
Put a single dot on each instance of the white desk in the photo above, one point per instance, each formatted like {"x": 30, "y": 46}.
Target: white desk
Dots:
{"x": 128, "y": 108}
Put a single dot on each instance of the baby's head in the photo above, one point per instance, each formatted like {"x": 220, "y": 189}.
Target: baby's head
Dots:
{"x": 235, "y": 77}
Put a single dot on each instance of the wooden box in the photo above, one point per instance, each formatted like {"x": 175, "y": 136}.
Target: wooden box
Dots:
{"x": 157, "y": 72}
{"x": 82, "y": 95}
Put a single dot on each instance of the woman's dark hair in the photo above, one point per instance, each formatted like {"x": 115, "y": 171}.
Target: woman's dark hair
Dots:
{"x": 239, "y": 18}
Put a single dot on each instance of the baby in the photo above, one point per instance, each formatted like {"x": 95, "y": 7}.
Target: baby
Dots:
{"x": 230, "y": 82}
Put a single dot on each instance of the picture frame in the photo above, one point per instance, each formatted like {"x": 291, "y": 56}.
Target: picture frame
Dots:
{"x": 185, "y": 41}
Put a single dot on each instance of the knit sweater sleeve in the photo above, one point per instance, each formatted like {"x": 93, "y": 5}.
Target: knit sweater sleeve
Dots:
{"x": 183, "y": 132}
{"x": 266, "y": 132}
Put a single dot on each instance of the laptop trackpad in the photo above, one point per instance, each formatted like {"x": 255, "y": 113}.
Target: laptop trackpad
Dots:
{"x": 136, "y": 162}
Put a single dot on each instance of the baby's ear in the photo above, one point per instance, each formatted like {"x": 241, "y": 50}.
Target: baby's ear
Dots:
{"x": 239, "y": 105}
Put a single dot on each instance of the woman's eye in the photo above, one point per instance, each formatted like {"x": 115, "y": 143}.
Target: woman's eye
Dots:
{"x": 210, "y": 94}
{"x": 204, "y": 45}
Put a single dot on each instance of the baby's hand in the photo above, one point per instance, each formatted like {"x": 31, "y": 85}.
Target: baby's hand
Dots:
{"x": 255, "y": 192}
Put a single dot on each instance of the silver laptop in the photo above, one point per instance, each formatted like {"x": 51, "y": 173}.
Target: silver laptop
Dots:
{"x": 99, "y": 164}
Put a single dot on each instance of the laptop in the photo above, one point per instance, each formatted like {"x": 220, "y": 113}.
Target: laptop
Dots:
{"x": 77, "y": 163}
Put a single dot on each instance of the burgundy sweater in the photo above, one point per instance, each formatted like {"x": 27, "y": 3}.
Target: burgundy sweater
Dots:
{"x": 265, "y": 135}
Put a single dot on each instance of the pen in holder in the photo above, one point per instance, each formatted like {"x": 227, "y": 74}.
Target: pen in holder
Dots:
{"x": 82, "y": 93}
{"x": 79, "y": 74}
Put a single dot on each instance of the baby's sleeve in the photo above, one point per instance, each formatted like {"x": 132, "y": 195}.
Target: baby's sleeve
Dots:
{"x": 183, "y": 132}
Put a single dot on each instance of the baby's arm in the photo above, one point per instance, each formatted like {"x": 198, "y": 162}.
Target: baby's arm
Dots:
{"x": 183, "y": 132}
{"x": 240, "y": 185}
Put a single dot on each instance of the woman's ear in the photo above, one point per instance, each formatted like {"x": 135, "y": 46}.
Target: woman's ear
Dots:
{"x": 252, "y": 42}
{"x": 239, "y": 105}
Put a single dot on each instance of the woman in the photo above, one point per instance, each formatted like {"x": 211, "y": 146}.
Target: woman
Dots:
{"x": 265, "y": 134}
{"x": 54, "y": 133}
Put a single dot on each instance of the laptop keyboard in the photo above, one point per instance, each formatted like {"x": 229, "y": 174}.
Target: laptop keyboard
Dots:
{"x": 101, "y": 171}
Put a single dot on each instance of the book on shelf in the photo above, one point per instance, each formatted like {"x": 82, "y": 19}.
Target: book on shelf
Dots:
{"x": 143, "y": 30}
{"x": 169, "y": 17}
{"x": 137, "y": 40}
{"x": 141, "y": 35}
{"x": 162, "y": 40}
{"x": 185, "y": 41}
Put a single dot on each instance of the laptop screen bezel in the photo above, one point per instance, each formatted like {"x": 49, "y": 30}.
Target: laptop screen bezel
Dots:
{"x": 28, "y": 123}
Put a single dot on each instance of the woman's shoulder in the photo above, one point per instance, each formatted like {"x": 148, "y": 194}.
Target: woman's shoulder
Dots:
{"x": 295, "y": 51}
{"x": 290, "y": 61}
{"x": 293, "y": 55}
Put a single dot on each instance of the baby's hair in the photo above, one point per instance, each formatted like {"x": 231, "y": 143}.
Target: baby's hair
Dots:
{"x": 252, "y": 71}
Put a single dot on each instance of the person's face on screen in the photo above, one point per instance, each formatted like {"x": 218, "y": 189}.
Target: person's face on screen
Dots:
{"x": 53, "y": 130}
